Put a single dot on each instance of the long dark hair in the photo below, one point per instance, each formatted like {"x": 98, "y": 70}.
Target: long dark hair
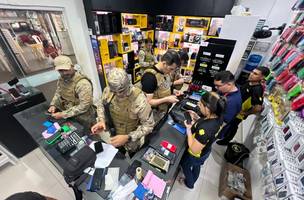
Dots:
{"x": 215, "y": 103}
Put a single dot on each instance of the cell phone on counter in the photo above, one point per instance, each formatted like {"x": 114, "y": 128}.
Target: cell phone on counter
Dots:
{"x": 168, "y": 146}
{"x": 98, "y": 147}
{"x": 14, "y": 92}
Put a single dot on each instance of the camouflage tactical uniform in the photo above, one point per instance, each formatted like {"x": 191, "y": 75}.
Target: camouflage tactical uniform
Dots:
{"x": 131, "y": 115}
{"x": 75, "y": 99}
{"x": 146, "y": 58}
{"x": 175, "y": 75}
{"x": 163, "y": 90}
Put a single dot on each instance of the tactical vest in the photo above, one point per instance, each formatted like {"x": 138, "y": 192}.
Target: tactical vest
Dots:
{"x": 148, "y": 56}
{"x": 120, "y": 111}
{"x": 69, "y": 98}
{"x": 163, "y": 88}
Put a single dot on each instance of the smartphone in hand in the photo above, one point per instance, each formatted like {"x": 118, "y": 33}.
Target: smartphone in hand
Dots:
{"x": 188, "y": 117}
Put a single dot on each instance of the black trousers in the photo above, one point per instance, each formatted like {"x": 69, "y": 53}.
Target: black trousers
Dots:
{"x": 230, "y": 131}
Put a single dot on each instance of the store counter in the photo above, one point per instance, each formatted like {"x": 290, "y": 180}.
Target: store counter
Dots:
{"x": 13, "y": 136}
{"x": 32, "y": 120}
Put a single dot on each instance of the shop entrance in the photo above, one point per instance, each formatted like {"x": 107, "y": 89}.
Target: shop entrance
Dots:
{"x": 35, "y": 38}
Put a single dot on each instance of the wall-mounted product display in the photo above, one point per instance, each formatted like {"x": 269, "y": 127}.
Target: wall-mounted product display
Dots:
{"x": 283, "y": 146}
{"x": 184, "y": 32}
{"x": 119, "y": 36}
{"x": 213, "y": 56}
{"x": 106, "y": 23}
{"x": 134, "y": 20}
{"x": 287, "y": 63}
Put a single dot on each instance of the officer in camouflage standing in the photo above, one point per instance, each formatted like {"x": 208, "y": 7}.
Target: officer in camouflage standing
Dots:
{"x": 128, "y": 110}
{"x": 74, "y": 95}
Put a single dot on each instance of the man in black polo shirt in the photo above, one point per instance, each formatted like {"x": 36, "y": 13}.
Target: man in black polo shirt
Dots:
{"x": 252, "y": 100}
{"x": 156, "y": 84}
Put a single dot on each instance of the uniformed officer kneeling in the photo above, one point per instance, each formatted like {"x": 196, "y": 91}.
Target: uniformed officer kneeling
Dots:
{"x": 127, "y": 108}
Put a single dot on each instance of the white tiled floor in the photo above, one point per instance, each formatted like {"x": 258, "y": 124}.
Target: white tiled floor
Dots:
{"x": 34, "y": 172}
{"x": 206, "y": 186}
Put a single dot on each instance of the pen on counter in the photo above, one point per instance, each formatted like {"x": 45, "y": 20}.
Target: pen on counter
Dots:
{"x": 167, "y": 192}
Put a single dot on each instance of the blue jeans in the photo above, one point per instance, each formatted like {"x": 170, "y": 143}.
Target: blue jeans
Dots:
{"x": 192, "y": 166}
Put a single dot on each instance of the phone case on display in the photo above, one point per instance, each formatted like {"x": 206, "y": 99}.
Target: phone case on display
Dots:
{"x": 298, "y": 19}
{"x": 276, "y": 47}
{"x": 296, "y": 37}
{"x": 279, "y": 70}
{"x": 300, "y": 73}
{"x": 298, "y": 102}
{"x": 286, "y": 33}
{"x": 298, "y": 67}
{"x": 293, "y": 63}
{"x": 275, "y": 64}
{"x": 290, "y": 83}
{"x": 294, "y": 91}
{"x": 291, "y": 35}
{"x": 290, "y": 56}
{"x": 283, "y": 50}
{"x": 301, "y": 43}
{"x": 283, "y": 76}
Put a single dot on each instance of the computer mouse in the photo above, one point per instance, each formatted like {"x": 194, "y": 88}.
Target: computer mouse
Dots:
{"x": 74, "y": 161}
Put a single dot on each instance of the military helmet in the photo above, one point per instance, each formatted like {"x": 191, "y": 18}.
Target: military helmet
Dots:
{"x": 118, "y": 80}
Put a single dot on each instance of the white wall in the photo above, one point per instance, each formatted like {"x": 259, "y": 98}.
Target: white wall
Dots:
{"x": 239, "y": 28}
{"x": 74, "y": 13}
{"x": 276, "y": 12}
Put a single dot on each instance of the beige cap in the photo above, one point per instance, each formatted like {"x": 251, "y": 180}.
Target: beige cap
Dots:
{"x": 63, "y": 63}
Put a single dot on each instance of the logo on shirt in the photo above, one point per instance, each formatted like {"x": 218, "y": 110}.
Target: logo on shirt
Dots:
{"x": 201, "y": 132}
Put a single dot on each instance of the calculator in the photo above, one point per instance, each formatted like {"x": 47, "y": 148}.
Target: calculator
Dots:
{"x": 68, "y": 143}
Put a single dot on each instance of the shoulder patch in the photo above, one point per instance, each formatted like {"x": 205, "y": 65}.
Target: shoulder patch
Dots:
{"x": 201, "y": 132}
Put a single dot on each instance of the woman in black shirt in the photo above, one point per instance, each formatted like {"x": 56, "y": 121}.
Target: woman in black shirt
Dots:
{"x": 201, "y": 133}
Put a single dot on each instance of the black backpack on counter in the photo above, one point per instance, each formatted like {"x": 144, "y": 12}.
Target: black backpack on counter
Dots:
{"x": 83, "y": 159}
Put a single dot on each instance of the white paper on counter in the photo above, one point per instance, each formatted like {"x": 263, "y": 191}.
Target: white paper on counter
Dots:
{"x": 104, "y": 158}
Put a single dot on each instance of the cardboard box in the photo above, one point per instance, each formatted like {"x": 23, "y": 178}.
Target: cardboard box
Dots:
{"x": 225, "y": 190}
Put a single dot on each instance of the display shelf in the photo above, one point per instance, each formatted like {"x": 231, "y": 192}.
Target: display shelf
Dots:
{"x": 123, "y": 42}
{"x": 286, "y": 63}
{"x": 149, "y": 34}
{"x": 134, "y": 20}
{"x": 277, "y": 167}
